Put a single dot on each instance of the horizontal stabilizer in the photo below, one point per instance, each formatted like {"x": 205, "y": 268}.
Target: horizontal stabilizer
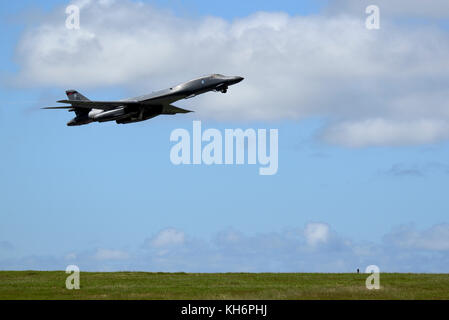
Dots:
{"x": 170, "y": 109}
{"x": 65, "y": 107}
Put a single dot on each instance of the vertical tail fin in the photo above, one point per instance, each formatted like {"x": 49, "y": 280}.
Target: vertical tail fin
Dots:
{"x": 75, "y": 95}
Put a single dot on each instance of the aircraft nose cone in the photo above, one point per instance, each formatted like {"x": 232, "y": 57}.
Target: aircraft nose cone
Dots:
{"x": 236, "y": 79}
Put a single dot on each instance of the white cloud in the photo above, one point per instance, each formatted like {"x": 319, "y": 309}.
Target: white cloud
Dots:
{"x": 316, "y": 248}
{"x": 435, "y": 238}
{"x": 229, "y": 237}
{"x": 379, "y": 132}
{"x": 401, "y": 8}
{"x": 71, "y": 256}
{"x": 317, "y": 233}
{"x": 385, "y": 87}
{"x": 168, "y": 237}
{"x": 107, "y": 254}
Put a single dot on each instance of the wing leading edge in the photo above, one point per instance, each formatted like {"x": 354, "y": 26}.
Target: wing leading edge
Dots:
{"x": 104, "y": 105}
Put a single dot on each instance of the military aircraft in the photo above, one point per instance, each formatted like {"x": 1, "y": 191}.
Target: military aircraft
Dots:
{"x": 143, "y": 107}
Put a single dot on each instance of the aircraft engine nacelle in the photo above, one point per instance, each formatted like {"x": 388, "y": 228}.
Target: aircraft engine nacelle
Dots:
{"x": 79, "y": 121}
{"x": 109, "y": 115}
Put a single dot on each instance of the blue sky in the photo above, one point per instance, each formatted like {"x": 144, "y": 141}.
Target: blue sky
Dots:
{"x": 363, "y": 168}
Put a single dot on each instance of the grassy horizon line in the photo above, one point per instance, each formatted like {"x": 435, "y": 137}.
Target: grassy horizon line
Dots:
{"x": 51, "y": 285}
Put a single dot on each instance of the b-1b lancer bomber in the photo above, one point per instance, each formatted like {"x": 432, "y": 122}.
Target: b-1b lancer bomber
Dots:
{"x": 143, "y": 107}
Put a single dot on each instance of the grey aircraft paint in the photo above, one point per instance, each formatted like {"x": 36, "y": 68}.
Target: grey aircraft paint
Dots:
{"x": 143, "y": 107}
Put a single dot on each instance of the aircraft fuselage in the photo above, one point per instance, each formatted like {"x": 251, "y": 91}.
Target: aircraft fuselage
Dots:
{"x": 143, "y": 107}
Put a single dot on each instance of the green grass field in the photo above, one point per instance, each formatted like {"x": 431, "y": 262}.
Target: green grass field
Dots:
{"x": 141, "y": 285}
